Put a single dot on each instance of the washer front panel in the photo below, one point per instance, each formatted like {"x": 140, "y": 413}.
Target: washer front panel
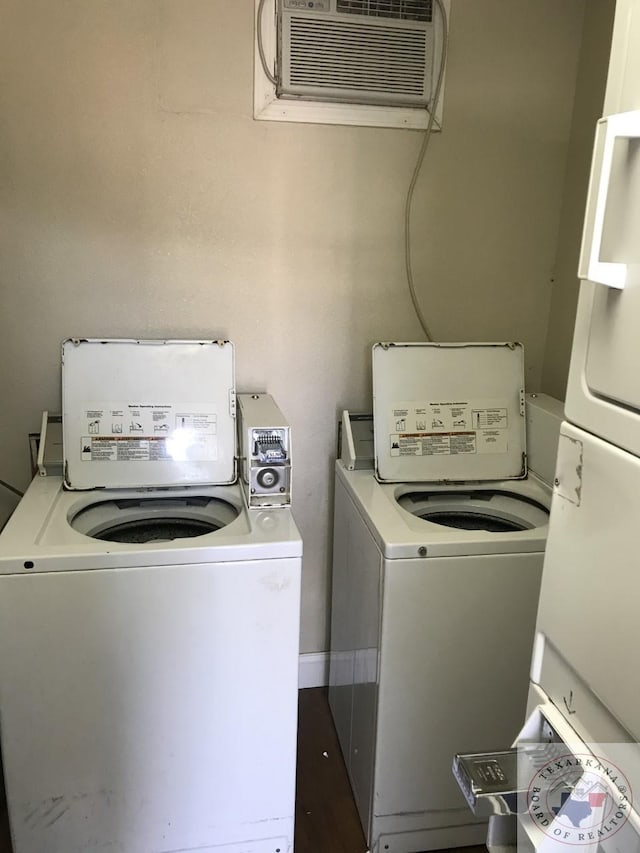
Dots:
{"x": 148, "y": 413}
{"x": 451, "y": 411}
{"x": 125, "y": 724}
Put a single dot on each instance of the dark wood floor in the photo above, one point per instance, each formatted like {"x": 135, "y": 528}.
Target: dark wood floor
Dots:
{"x": 326, "y": 816}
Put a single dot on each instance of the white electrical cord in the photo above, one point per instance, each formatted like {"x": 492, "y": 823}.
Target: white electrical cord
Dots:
{"x": 416, "y": 173}
{"x": 263, "y": 59}
{"x": 423, "y": 149}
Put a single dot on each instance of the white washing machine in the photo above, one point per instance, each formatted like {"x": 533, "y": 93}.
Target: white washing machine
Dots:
{"x": 438, "y": 549}
{"x": 148, "y": 621}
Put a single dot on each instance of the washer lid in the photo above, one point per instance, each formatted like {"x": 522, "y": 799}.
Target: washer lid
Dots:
{"x": 451, "y": 411}
{"x": 147, "y": 413}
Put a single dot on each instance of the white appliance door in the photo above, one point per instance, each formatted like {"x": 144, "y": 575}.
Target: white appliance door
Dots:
{"x": 588, "y": 610}
{"x": 604, "y": 384}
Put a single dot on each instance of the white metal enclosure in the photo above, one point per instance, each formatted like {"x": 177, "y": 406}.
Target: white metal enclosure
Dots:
{"x": 149, "y": 631}
{"x": 414, "y": 641}
{"x": 152, "y": 708}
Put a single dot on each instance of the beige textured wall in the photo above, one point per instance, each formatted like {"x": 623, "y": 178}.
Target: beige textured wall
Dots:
{"x": 139, "y": 198}
{"x": 591, "y": 80}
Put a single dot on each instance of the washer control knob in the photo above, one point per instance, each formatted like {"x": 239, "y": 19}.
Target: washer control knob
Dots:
{"x": 267, "y": 478}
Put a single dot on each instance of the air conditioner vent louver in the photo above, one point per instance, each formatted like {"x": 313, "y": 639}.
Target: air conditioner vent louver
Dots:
{"x": 354, "y": 56}
{"x": 374, "y": 52}
{"x": 401, "y": 10}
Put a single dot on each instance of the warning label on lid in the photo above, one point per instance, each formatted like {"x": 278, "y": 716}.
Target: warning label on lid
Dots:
{"x": 448, "y": 428}
{"x": 148, "y": 432}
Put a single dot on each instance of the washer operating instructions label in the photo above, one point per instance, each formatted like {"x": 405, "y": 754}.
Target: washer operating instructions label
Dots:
{"x": 148, "y": 432}
{"x": 448, "y": 428}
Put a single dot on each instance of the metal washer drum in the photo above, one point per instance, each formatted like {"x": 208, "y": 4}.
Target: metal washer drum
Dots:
{"x": 153, "y": 519}
{"x": 475, "y": 509}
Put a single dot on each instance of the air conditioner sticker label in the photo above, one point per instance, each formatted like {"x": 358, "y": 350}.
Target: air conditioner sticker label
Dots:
{"x": 148, "y": 432}
{"x": 448, "y": 428}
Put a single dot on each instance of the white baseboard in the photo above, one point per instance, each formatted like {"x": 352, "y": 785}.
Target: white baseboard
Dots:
{"x": 313, "y": 670}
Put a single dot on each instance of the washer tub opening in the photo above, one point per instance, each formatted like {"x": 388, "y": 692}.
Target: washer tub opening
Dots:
{"x": 492, "y": 511}
{"x": 140, "y": 520}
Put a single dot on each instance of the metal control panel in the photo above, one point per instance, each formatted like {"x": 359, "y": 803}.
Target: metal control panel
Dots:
{"x": 264, "y": 440}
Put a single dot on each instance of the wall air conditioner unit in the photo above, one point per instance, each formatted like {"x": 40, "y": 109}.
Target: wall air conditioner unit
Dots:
{"x": 382, "y": 52}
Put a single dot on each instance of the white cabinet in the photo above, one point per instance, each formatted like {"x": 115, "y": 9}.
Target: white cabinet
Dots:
{"x": 604, "y": 383}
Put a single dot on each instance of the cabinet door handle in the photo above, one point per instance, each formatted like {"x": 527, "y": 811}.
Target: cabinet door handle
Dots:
{"x": 608, "y": 130}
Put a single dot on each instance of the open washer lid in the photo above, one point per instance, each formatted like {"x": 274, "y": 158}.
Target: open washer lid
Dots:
{"x": 452, "y": 411}
{"x": 147, "y": 413}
